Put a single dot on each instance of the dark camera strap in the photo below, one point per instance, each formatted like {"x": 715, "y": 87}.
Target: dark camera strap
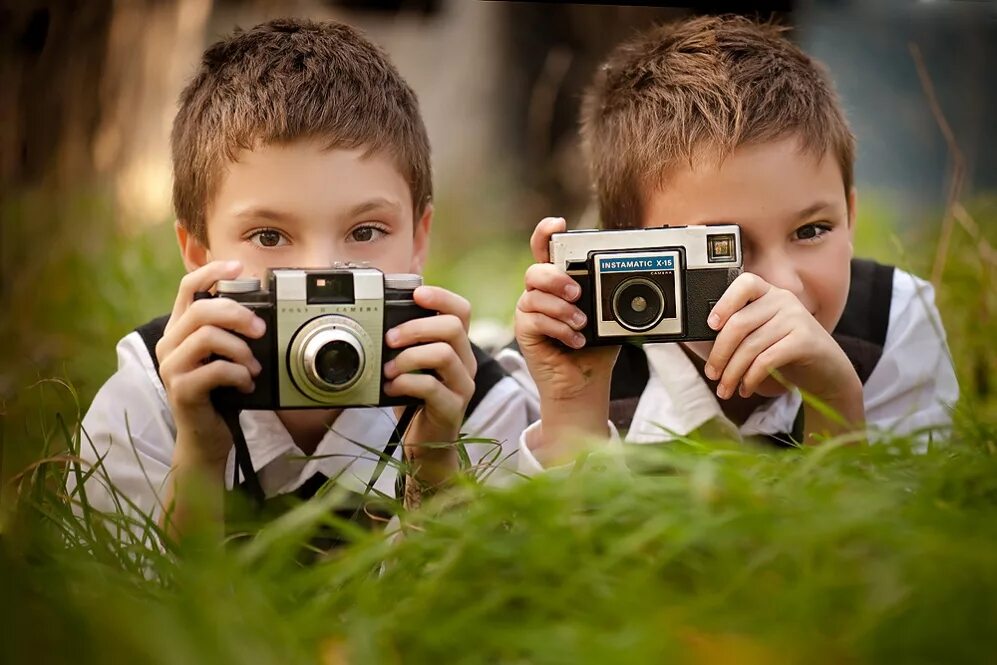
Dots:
{"x": 243, "y": 460}
{"x": 250, "y": 482}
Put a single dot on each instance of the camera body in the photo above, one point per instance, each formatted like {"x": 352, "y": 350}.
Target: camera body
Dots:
{"x": 324, "y": 344}
{"x": 649, "y": 285}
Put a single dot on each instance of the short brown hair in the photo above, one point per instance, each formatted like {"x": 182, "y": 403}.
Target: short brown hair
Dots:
{"x": 292, "y": 79}
{"x": 709, "y": 83}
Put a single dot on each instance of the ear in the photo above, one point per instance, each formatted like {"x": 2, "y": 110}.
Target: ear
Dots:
{"x": 420, "y": 240}
{"x": 193, "y": 251}
{"x": 852, "y": 217}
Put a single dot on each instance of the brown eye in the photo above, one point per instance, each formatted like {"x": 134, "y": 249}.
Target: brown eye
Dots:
{"x": 366, "y": 234}
{"x": 269, "y": 238}
{"x": 812, "y": 231}
{"x": 363, "y": 234}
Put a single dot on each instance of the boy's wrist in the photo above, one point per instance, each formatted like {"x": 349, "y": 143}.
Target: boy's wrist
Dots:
{"x": 566, "y": 423}
{"x": 187, "y": 453}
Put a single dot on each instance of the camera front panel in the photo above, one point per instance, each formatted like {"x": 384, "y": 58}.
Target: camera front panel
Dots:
{"x": 639, "y": 293}
{"x": 329, "y": 331}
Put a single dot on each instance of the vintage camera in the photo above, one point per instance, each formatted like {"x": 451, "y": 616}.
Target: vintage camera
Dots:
{"x": 324, "y": 345}
{"x": 649, "y": 285}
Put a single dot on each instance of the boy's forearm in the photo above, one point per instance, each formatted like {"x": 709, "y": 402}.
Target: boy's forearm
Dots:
{"x": 194, "y": 493}
{"x": 848, "y": 415}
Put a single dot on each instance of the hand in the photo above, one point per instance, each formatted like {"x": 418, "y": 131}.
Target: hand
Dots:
{"x": 573, "y": 382}
{"x": 764, "y": 328}
{"x": 196, "y": 331}
{"x": 439, "y": 346}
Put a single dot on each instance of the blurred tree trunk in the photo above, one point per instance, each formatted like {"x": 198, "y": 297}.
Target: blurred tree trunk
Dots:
{"x": 89, "y": 89}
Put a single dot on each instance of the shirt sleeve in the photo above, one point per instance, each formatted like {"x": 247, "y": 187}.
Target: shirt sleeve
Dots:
{"x": 529, "y": 465}
{"x": 913, "y": 386}
{"x": 500, "y": 417}
{"x": 129, "y": 430}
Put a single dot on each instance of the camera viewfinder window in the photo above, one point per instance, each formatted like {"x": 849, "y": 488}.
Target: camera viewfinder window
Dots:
{"x": 720, "y": 248}
{"x": 330, "y": 289}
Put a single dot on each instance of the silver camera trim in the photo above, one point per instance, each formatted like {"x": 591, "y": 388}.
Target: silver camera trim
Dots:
{"x": 575, "y": 246}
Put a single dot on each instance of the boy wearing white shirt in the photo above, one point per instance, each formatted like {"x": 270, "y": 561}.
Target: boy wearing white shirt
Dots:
{"x": 723, "y": 120}
{"x": 297, "y": 144}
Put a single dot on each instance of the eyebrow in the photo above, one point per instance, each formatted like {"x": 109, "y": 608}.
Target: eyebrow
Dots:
{"x": 376, "y": 203}
{"x": 811, "y": 209}
{"x": 255, "y": 212}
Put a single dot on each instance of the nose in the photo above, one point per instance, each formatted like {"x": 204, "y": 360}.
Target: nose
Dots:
{"x": 780, "y": 271}
{"x": 323, "y": 256}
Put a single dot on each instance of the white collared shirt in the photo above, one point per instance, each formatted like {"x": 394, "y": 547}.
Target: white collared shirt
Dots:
{"x": 912, "y": 387}
{"x": 130, "y": 425}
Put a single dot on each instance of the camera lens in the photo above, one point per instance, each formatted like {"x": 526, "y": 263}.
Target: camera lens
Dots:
{"x": 330, "y": 357}
{"x": 338, "y": 363}
{"x": 638, "y": 303}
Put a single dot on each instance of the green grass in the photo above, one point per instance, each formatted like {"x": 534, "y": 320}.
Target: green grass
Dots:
{"x": 701, "y": 552}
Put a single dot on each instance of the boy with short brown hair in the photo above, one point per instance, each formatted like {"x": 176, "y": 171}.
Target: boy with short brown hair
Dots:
{"x": 723, "y": 120}
{"x": 297, "y": 145}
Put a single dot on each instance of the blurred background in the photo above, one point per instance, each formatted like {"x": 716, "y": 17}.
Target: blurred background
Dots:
{"x": 87, "y": 250}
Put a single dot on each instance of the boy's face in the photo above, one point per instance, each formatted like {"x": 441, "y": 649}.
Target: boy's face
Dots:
{"x": 796, "y": 221}
{"x": 301, "y": 205}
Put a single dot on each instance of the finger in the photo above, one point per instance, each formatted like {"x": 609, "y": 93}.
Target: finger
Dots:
{"x": 751, "y": 348}
{"x": 443, "y": 301}
{"x": 545, "y": 277}
{"x": 193, "y": 388}
{"x": 746, "y": 288}
{"x": 552, "y": 306}
{"x": 219, "y": 312}
{"x": 778, "y": 355}
{"x": 430, "y": 390}
{"x": 439, "y": 358}
{"x": 201, "y": 279}
{"x": 445, "y": 328}
{"x": 540, "y": 240}
{"x": 737, "y": 327}
{"x": 532, "y": 328}
{"x": 202, "y": 344}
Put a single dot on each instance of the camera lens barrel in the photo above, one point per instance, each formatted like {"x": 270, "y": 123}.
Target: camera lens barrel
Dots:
{"x": 328, "y": 357}
{"x": 333, "y": 360}
{"x": 638, "y": 304}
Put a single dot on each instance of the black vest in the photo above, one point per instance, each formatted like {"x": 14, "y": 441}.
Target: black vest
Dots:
{"x": 861, "y": 334}
{"x": 239, "y": 504}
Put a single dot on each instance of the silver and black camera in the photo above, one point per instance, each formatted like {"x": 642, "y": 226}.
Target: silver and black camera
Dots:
{"x": 324, "y": 344}
{"x": 649, "y": 285}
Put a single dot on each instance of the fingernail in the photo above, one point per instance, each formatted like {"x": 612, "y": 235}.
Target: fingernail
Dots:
{"x": 742, "y": 391}
{"x": 713, "y": 321}
{"x": 577, "y": 340}
{"x": 389, "y": 369}
{"x": 251, "y": 388}
{"x": 578, "y": 319}
{"x": 258, "y": 326}
{"x": 722, "y": 391}
{"x": 392, "y": 337}
{"x": 256, "y": 367}
{"x": 711, "y": 372}
{"x": 572, "y": 291}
